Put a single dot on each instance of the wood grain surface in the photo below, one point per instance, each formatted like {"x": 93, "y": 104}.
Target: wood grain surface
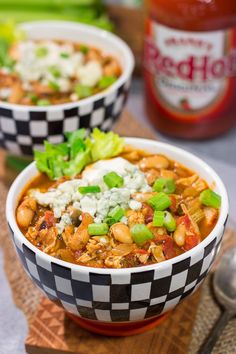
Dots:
{"x": 52, "y": 332}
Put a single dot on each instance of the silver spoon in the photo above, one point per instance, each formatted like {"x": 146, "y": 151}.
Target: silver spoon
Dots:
{"x": 224, "y": 285}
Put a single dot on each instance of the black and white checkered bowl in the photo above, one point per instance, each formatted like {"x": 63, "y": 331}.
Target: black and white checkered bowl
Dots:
{"x": 24, "y": 128}
{"x": 116, "y": 295}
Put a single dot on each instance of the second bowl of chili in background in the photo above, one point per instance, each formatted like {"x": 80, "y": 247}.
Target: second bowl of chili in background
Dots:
{"x": 90, "y": 92}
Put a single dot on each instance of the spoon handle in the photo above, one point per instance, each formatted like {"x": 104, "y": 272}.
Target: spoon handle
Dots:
{"x": 220, "y": 324}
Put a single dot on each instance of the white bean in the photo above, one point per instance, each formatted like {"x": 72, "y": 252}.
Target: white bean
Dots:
{"x": 179, "y": 235}
{"x": 121, "y": 233}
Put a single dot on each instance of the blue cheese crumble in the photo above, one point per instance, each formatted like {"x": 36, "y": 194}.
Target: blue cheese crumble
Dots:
{"x": 98, "y": 205}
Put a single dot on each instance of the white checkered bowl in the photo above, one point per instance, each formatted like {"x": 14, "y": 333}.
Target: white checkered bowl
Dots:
{"x": 120, "y": 295}
{"x": 24, "y": 128}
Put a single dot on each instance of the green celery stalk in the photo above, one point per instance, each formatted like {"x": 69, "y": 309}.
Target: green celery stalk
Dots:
{"x": 87, "y": 17}
{"x": 47, "y": 3}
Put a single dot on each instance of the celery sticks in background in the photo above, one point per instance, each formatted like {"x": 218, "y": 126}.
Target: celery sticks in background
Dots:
{"x": 91, "y": 12}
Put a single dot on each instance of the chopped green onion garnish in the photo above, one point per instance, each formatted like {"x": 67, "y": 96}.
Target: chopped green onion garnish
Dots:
{"x": 158, "y": 218}
{"x": 34, "y": 98}
{"x": 55, "y": 71}
{"x": 117, "y": 213}
{"x": 64, "y": 55}
{"x": 43, "y": 102}
{"x": 83, "y": 91}
{"x": 169, "y": 221}
{"x": 110, "y": 221}
{"x": 89, "y": 189}
{"x": 161, "y": 201}
{"x": 113, "y": 180}
{"x": 53, "y": 85}
{"x": 9, "y": 63}
{"x": 83, "y": 49}
{"x": 210, "y": 198}
{"x": 41, "y": 52}
{"x": 141, "y": 233}
{"x": 166, "y": 185}
{"x": 98, "y": 229}
{"x": 106, "y": 81}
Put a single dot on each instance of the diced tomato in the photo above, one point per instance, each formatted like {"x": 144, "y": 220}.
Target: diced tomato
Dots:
{"x": 148, "y": 213}
{"x": 173, "y": 206}
{"x": 168, "y": 246}
{"x": 160, "y": 238}
{"x": 49, "y": 218}
{"x": 191, "y": 241}
{"x": 141, "y": 251}
{"x": 184, "y": 220}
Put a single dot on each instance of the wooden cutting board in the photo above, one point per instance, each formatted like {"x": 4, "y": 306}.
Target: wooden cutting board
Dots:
{"x": 51, "y": 332}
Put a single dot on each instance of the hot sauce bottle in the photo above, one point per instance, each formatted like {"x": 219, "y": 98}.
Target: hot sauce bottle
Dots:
{"x": 190, "y": 66}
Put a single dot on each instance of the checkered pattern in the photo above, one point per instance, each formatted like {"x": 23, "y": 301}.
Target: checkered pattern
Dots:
{"x": 23, "y": 131}
{"x": 118, "y": 297}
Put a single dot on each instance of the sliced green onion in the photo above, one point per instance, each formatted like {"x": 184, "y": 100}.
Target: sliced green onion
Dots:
{"x": 161, "y": 201}
{"x": 34, "y": 98}
{"x": 98, "y": 229}
{"x": 114, "y": 215}
{"x": 89, "y": 189}
{"x": 210, "y": 198}
{"x": 169, "y": 221}
{"x": 83, "y": 91}
{"x": 41, "y": 52}
{"x": 9, "y": 63}
{"x": 83, "y": 49}
{"x": 106, "y": 81}
{"x": 42, "y": 102}
{"x": 113, "y": 180}
{"x": 117, "y": 213}
{"x": 110, "y": 221}
{"x": 54, "y": 70}
{"x": 166, "y": 185}
{"x": 64, "y": 55}
{"x": 158, "y": 218}
{"x": 141, "y": 233}
{"x": 53, "y": 85}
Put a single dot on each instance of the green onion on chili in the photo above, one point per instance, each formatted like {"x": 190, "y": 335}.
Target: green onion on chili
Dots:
{"x": 166, "y": 185}
{"x": 169, "y": 221}
{"x": 114, "y": 215}
{"x": 160, "y": 201}
{"x": 158, "y": 218}
{"x": 83, "y": 49}
{"x": 89, "y": 189}
{"x": 41, "y": 52}
{"x": 141, "y": 233}
{"x": 54, "y": 70}
{"x": 106, "y": 81}
{"x": 110, "y": 221}
{"x": 83, "y": 91}
{"x": 113, "y": 180}
{"x": 54, "y": 86}
{"x": 98, "y": 229}
{"x": 210, "y": 198}
{"x": 64, "y": 55}
{"x": 117, "y": 213}
{"x": 43, "y": 102}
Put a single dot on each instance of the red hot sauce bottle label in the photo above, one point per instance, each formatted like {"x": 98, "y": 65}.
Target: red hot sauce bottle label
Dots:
{"x": 190, "y": 75}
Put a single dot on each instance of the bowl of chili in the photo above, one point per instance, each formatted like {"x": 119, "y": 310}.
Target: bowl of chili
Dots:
{"x": 62, "y": 76}
{"x": 133, "y": 294}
